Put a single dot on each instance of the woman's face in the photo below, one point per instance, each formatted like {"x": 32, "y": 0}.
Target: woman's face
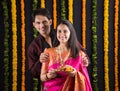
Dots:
{"x": 63, "y": 33}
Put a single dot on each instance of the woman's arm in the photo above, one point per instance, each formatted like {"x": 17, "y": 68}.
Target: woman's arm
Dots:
{"x": 45, "y": 75}
{"x": 70, "y": 70}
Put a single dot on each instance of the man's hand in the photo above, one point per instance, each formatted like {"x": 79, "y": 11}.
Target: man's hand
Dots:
{"x": 44, "y": 57}
{"x": 85, "y": 59}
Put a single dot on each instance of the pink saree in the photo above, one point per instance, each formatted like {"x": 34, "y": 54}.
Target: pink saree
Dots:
{"x": 63, "y": 82}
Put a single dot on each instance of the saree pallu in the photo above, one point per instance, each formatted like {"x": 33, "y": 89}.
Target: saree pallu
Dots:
{"x": 63, "y": 82}
{"x": 74, "y": 84}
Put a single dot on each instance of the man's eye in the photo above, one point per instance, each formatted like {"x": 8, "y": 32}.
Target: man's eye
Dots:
{"x": 37, "y": 22}
{"x": 59, "y": 31}
{"x": 44, "y": 22}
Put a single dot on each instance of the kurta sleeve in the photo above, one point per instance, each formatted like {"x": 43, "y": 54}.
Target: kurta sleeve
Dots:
{"x": 33, "y": 54}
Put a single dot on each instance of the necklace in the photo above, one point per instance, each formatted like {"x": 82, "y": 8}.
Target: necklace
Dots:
{"x": 61, "y": 59}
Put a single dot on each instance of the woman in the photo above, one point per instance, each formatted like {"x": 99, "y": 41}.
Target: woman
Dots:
{"x": 65, "y": 71}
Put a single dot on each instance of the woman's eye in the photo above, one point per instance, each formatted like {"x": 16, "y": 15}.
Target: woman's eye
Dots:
{"x": 65, "y": 31}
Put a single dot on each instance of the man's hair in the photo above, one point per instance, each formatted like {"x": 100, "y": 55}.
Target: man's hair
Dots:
{"x": 41, "y": 11}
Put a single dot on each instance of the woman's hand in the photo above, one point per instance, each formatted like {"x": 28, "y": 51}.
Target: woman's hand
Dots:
{"x": 44, "y": 57}
{"x": 70, "y": 70}
{"x": 48, "y": 75}
{"x": 51, "y": 74}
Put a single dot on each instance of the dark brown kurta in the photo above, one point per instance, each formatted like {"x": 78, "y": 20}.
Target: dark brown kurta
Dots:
{"x": 34, "y": 50}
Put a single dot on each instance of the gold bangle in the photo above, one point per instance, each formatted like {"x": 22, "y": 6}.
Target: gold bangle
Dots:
{"x": 47, "y": 77}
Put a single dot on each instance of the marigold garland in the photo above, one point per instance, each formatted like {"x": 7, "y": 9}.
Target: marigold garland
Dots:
{"x": 23, "y": 44}
{"x": 54, "y": 14}
{"x": 6, "y": 45}
{"x": 35, "y": 80}
{"x": 94, "y": 44}
{"x": 70, "y": 9}
{"x": 116, "y": 45}
{"x": 106, "y": 43}
{"x": 14, "y": 45}
{"x": 42, "y": 3}
{"x": 84, "y": 23}
{"x": 63, "y": 10}
{"x": 14, "y": 42}
{"x": 34, "y": 6}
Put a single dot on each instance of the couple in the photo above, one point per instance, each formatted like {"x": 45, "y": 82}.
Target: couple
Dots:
{"x": 63, "y": 69}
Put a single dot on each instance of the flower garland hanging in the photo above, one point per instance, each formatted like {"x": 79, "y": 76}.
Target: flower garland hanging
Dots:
{"x": 106, "y": 44}
{"x": 6, "y": 45}
{"x": 23, "y": 44}
{"x": 34, "y": 6}
{"x": 63, "y": 10}
{"x": 94, "y": 44}
{"x": 42, "y": 3}
{"x": 35, "y": 80}
{"x": 116, "y": 45}
{"x": 54, "y": 14}
{"x": 14, "y": 45}
{"x": 70, "y": 9}
{"x": 84, "y": 23}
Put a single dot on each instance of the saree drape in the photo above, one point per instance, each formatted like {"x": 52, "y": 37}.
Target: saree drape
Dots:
{"x": 64, "y": 82}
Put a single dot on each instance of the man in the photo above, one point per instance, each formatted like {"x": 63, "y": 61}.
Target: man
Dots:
{"x": 42, "y": 22}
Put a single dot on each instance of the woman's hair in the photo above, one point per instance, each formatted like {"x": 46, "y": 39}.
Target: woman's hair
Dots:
{"x": 41, "y": 11}
{"x": 73, "y": 43}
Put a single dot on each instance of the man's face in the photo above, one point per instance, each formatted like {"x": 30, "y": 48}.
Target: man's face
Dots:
{"x": 42, "y": 24}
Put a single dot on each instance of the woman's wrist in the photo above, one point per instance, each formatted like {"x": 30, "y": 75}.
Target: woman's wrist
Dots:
{"x": 73, "y": 72}
{"x": 47, "y": 76}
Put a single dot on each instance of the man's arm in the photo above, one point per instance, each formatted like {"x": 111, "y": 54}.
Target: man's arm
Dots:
{"x": 33, "y": 62}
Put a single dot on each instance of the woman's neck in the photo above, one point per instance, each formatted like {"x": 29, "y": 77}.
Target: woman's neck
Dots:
{"x": 63, "y": 48}
{"x": 63, "y": 53}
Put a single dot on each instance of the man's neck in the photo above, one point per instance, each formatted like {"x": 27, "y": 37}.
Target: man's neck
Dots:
{"x": 46, "y": 36}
